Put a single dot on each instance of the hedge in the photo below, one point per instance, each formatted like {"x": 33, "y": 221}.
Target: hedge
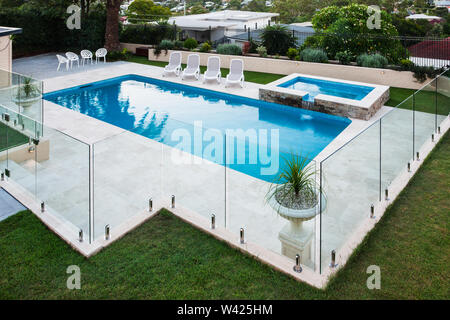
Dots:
{"x": 46, "y": 32}
{"x": 148, "y": 34}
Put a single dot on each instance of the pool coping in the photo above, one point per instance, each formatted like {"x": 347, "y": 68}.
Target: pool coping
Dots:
{"x": 362, "y": 109}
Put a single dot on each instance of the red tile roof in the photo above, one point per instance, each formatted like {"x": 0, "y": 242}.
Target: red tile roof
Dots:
{"x": 435, "y": 49}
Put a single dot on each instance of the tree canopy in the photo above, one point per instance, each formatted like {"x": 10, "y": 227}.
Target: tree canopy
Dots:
{"x": 345, "y": 29}
{"x": 145, "y": 10}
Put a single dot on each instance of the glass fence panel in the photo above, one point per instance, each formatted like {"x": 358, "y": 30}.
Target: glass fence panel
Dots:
{"x": 127, "y": 174}
{"x": 396, "y": 142}
{"x": 18, "y": 150}
{"x": 193, "y": 168}
{"x": 9, "y": 82}
{"x": 424, "y": 114}
{"x": 63, "y": 169}
{"x": 350, "y": 181}
{"x": 20, "y": 122}
{"x": 21, "y": 94}
{"x": 260, "y": 200}
{"x": 443, "y": 97}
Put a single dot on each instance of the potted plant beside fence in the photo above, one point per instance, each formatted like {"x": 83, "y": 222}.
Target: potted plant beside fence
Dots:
{"x": 294, "y": 195}
{"x": 27, "y": 93}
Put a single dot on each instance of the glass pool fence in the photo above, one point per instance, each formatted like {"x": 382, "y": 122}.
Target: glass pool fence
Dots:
{"x": 108, "y": 183}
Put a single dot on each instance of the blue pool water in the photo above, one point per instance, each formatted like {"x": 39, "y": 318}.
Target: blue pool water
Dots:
{"x": 155, "y": 109}
{"x": 331, "y": 88}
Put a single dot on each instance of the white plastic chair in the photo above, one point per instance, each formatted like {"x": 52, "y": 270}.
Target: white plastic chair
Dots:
{"x": 62, "y": 60}
{"x": 236, "y": 74}
{"x": 213, "y": 69}
{"x": 193, "y": 67}
{"x": 86, "y": 55}
{"x": 72, "y": 57}
{"x": 101, "y": 53}
{"x": 174, "y": 65}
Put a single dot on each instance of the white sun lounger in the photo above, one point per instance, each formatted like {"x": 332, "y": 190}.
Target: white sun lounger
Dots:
{"x": 174, "y": 65}
{"x": 213, "y": 69}
{"x": 236, "y": 74}
{"x": 193, "y": 67}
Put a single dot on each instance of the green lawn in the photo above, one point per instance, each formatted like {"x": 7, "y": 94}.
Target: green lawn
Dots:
{"x": 251, "y": 76}
{"x": 166, "y": 258}
{"x": 424, "y": 100}
{"x": 15, "y": 138}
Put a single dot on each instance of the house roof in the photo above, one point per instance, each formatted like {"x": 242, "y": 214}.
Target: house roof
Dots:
{"x": 432, "y": 49}
{"x": 218, "y": 19}
{"x": 423, "y": 16}
{"x": 231, "y": 15}
{"x": 6, "y": 31}
{"x": 200, "y": 25}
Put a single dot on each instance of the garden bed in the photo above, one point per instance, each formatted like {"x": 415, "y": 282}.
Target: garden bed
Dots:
{"x": 393, "y": 78}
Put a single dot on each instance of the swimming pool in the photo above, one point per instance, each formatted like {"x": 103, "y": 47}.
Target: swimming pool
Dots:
{"x": 159, "y": 109}
{"x": 332, "y": 88}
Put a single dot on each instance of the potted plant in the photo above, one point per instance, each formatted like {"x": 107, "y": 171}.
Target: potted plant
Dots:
{"x": 27, "y": 93}
{"x": 294, "y": 195}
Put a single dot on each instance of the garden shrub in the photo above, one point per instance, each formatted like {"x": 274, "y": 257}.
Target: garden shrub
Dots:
{"x": 313, "y": 55}
{"x": 150, "y": 34}
{"x": 166, "y": 45}
{"x": 292, "y": 53}
{"x": 422, "y": 73}
{"x": 406, "y": 64}
{"x": 253, "y": 46}
{"x": 277, "y": 39}
{"x": 124, "y": 54}
{"x": 262, "y": 51}
{"x": 230, "y": 49}
{"x": 190, "y": 43}
{"x": 178, "y": 44}
{"x": 205, "y": 47}
{"x": 371, "y": 60}
{"x": 344, "y": 57}
{"x": 345, "y": 28}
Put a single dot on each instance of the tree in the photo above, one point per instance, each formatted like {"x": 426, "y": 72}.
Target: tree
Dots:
{"x": 143, "y": 10}
{"x": 112, "y": 25}
{"x": 234, "y": 5}
{"x": 277, "y": 39}
{"x": 345, "y": 29}
{"x": 197, "y": 9}
{"x": 289, "y": 10}
{"x": 256, "y": 5}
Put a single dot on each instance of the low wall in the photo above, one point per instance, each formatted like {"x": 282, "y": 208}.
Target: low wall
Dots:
{"x": 392, "y": 78}
{"x": 20, "y": 153}
{"x": 132, "y": 46}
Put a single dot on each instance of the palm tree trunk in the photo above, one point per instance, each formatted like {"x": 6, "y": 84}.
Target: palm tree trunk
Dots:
{"x": 112, "y": 25}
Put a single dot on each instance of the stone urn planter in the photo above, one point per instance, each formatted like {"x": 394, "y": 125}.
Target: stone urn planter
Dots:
{"x": 294, "y": 195}
{"x": 295, "y": 237}
{"x": 27, "y": 93}
{"x": 25, "y": 102}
